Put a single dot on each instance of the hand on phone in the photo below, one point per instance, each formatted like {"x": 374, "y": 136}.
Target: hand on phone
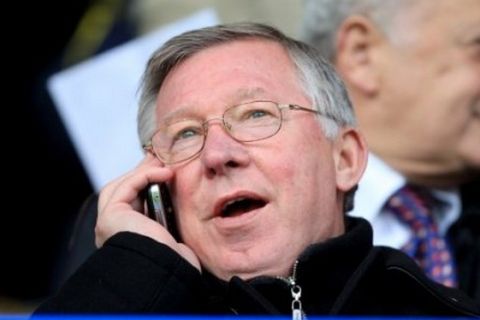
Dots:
{"x": 121, "y": 208}
{"x": 121, "y": 205}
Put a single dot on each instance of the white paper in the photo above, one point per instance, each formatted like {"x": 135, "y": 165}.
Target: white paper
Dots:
{"x": 98, "y": 104}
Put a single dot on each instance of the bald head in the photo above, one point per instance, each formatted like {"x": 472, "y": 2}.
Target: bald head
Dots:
{"x": 323, "y": 18}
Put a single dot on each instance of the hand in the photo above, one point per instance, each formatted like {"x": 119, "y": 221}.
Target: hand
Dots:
{"x": 120, "y": 208}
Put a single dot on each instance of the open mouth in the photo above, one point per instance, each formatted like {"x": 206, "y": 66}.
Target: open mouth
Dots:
{"x": 241, "y": 205}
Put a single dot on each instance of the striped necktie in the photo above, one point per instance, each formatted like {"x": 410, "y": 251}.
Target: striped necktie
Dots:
{"x": 413, "y": 206}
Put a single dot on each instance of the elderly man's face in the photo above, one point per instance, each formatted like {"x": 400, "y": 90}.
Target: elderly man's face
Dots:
{"x": 280, "y": 194}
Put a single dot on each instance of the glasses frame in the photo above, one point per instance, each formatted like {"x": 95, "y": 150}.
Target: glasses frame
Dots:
{"x": 148, "y": 147}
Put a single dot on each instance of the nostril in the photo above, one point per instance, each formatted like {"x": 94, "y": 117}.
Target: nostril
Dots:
{"x": 232, "y": 164}
{"x": 211, "y": 171}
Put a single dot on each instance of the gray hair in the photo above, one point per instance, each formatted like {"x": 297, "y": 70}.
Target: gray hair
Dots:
{"x": 318, "y": 78}
{"x": 322, "y": 18}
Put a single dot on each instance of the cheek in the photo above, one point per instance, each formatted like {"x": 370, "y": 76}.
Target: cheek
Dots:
{"x": 453, "y": 115}
{"x": 468, "y": 148}
{"x": 308, "y": 169}
{"x": 291, "y": 161}
{"x": 445, "y": 100}
{"x": 456, "y": 90}
{"x": 183, "y": 189}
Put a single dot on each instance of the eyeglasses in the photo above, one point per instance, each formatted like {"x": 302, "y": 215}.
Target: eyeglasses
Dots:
{"x": 181, "y": 140}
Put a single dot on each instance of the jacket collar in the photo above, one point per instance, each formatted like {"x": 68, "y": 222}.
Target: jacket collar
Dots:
{"x": 323, "y": 271}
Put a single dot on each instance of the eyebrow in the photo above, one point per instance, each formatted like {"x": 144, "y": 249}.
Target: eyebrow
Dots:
{"x": 180, "y": 113}
{"x": 240, "y": 96}
{"x": 248, "y": 94}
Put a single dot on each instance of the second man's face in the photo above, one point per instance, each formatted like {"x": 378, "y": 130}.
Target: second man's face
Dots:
{"x": 432, "y": 91}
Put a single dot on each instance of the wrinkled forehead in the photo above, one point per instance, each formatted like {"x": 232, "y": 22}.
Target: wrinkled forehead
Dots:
{"x": 231, "y": 73}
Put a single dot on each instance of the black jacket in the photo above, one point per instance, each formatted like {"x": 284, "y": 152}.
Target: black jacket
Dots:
{"x": 345, "y": 275}
{"x": 464, "y": 236}
{"x": 465, "y": 239}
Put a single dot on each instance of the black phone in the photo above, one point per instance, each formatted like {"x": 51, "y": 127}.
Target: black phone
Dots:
{"x": 159, "y": 207}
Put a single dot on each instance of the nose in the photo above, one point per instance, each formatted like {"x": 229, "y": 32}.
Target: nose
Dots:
{"x": 221, "y": 152}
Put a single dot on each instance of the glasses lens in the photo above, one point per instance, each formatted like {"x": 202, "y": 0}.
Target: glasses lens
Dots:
{"x": 181, "y": 140}
{"x": 253, "y": 121}
{"x": 178, "y": 141}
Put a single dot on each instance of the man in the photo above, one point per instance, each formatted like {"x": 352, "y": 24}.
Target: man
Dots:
{"x": 412, "y": 69}
{"x": 255, "y": 137}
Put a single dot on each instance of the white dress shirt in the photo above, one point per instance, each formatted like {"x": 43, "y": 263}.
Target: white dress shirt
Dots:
{"x": 377, "y": 185}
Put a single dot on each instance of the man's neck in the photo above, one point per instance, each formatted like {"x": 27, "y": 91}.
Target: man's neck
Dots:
{"x": 431, "y": 174}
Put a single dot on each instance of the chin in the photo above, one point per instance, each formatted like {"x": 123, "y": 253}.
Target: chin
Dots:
{"x": 243, "y": 266}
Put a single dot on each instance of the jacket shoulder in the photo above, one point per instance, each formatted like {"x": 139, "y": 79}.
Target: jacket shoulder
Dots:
{"x": 388, "y": 282}
{"x": 130, "y": 273}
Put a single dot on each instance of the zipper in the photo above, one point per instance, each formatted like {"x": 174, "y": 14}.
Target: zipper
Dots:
{"x": 296, "y": 292}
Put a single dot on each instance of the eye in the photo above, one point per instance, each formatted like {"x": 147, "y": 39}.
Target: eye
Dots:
{"x": 256, "y": 113}
{"x": 183, "y": 133}
{"x": 186, "y": 133}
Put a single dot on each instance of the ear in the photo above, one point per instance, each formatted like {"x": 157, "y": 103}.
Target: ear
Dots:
{"x": 357, "y": 40}
{"x": 350, "y": 158}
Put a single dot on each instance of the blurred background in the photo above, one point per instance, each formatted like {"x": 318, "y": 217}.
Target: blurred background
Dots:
{"x": 46, "y": 182}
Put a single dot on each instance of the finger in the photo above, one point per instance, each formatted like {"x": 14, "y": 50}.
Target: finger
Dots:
{"x": 123, "y": 219}
{"x": 146, "y": 166}
{"x": 127, "y": 190}
{"x": 130, "y": 187}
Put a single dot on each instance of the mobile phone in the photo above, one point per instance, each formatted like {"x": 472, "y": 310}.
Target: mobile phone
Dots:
{"x": 159, "y": 207}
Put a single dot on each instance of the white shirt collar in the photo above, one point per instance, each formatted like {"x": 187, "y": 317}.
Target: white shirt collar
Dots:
{"x": 377, "y": 184}
{"x": 450, "y": 211}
